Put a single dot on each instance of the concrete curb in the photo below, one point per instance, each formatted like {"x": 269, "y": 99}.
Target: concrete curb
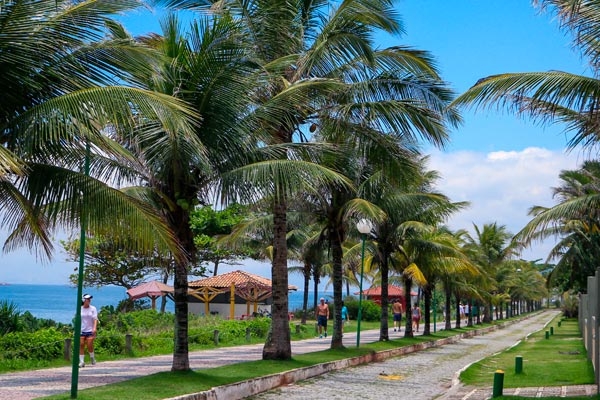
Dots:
{"x": 251, "y": 387}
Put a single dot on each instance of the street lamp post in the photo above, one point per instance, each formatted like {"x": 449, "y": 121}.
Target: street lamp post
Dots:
{"x": 364, "y": 227}
{"x": 77, "y": 326}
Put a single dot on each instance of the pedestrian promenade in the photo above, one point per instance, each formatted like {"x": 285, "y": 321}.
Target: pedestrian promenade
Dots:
{"x": 427, "y": 374}
{"x": 33, "y": 384}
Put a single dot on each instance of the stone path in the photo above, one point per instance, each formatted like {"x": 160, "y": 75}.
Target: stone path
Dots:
{"x": 424, "y": 375}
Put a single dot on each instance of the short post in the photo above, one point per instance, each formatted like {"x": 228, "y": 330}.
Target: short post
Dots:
{"x": 216, "y": 337}
{"x": 518, "y": 364}
{"x": 552, "y": 330}
{"x": 298, "y": 328}
{"x": 498, "y": 383}
{"x": 547, "y": 334}
{"x": 247, "y": 334}
{"x": 129, "y": 344}
{"x": 67, "y": 349}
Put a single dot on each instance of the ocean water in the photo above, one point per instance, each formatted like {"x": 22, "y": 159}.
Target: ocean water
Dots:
{"x": 60, "y": 302}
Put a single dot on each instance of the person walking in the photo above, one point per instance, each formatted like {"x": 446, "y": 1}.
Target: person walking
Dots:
{"x": 345, "y": 316}
{"x": 322, "y": 317}
{"x": 416, "y": 317}
{"x": 397, "y": 311}
{"x": 89, "y": 325}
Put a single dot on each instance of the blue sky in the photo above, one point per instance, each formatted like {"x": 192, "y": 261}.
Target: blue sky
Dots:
{"x": 500, "y": 163}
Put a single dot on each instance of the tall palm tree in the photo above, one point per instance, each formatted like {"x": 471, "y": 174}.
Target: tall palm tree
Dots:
{"x": 62, "y": 67}
{"x": 438, "y": 254}
{"x": 489, "y": 248}
{"x": 203, "y": 64}
{"x": 576, "y": 221}
{"x": 408, "y": 208}
{"x": 303, "y": 48}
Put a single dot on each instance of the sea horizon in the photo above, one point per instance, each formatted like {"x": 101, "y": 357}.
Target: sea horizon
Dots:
{"x": 59, "y": 302}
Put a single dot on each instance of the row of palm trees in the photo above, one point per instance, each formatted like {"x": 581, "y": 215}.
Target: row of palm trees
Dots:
{"x": 286, "y": 105}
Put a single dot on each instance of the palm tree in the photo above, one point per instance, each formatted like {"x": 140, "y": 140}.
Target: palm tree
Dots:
{"x": 61, "y": 67}
{"x": 204, "y": 66}
{"x": 490, "y": 247}
{"x": 409, "y": 207}
{"x": 554, "y": 96}
{"x": 438, "y": 254}
{"x": 575, "y": 220}
{"x": 304, "y": 50}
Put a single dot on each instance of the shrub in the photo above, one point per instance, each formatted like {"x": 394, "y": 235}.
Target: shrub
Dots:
{"x": 9, "y": 317}
{"x": 44, "y": 344}
{"x": 371, "y": 311}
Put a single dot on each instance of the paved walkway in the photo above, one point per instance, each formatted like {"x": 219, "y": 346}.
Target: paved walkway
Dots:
{"x": 427, "y": 374}
{"x": 32, "y": 384}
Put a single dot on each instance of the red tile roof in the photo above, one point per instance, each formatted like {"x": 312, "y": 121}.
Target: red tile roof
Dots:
{"x": 238, "y": 278}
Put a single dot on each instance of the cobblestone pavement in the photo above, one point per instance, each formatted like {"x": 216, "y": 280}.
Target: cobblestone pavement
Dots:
{"x": 424, "y": 375}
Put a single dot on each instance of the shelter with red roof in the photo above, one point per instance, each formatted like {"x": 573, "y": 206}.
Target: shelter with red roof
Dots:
{"x": 153, "y": 290}
{"x": 394, "y": 293}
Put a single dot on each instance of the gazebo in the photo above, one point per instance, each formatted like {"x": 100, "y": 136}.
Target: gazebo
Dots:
{"x": 153, "y": 290}
{"x": 233, "y": 288}
{"x": 394, "y": 293}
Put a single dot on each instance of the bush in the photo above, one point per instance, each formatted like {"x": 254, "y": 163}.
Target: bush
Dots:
{"x": 10, "y": 320}
{"x": 45, "y": 344}
{"x": 371, "y": 311}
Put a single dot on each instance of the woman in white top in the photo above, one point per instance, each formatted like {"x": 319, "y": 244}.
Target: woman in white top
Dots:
{"x": 89, "y": 324}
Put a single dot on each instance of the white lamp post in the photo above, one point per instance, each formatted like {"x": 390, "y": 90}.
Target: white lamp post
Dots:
{"x": 364, "y": 227}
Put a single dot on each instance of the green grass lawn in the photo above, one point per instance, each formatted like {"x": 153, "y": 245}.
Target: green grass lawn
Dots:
{"x": 559, "y": 360}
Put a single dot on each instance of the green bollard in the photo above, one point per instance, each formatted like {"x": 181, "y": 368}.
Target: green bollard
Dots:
{"x": 498, "y": 383}
{"x": 518, "y": 364}
{"x": 552, "y": 330}
{"x": 547, "y": 335}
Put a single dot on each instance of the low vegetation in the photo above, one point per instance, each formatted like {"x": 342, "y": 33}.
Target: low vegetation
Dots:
{"x": 30, "y": 343}
{"x": 557, "y": 360}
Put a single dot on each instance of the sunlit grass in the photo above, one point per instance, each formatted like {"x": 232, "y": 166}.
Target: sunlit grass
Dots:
{"x": 559, "y": 360}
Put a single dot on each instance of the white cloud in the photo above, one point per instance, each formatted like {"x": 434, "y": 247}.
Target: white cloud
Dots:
{"x": 501, "y": 186}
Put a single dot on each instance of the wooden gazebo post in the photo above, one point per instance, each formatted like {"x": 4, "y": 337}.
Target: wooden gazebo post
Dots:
{"x": 232, "y": 302}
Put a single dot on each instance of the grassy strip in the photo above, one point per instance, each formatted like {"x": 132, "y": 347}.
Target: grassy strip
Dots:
{"x": 559, "y": 360}
{"x": 594, "y": 397}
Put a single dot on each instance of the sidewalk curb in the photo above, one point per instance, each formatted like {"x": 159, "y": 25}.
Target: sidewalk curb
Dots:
{"x": 250, "y": 387}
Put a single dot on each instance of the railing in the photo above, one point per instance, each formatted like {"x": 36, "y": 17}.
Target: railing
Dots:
{"x": 589, "y": 317}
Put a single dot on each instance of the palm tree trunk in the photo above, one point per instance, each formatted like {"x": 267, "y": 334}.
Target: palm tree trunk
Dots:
{"x": 385, "y": 301}
{"x": 408, "y": 332}
{"x": 427, "y": 290}
{"x": 181, "y": 361}
{"x": 336, "y": 238}
{"x": 458, "y": 316}
{"x": 470, "y": 313}
{"x": 448, "y": 307}
{"x": 278, "y": 344}
{"x": 215, "y": 273}
{"x": 305, "y": 294}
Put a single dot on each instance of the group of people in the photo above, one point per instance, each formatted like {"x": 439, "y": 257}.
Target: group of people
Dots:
{"x": 322, "y": 314}
{"x": 398, "y": 310}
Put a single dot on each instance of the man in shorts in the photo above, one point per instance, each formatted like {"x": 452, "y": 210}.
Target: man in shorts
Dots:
{"x": 397, "y": 311}
{"x": 322, "y": 317}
